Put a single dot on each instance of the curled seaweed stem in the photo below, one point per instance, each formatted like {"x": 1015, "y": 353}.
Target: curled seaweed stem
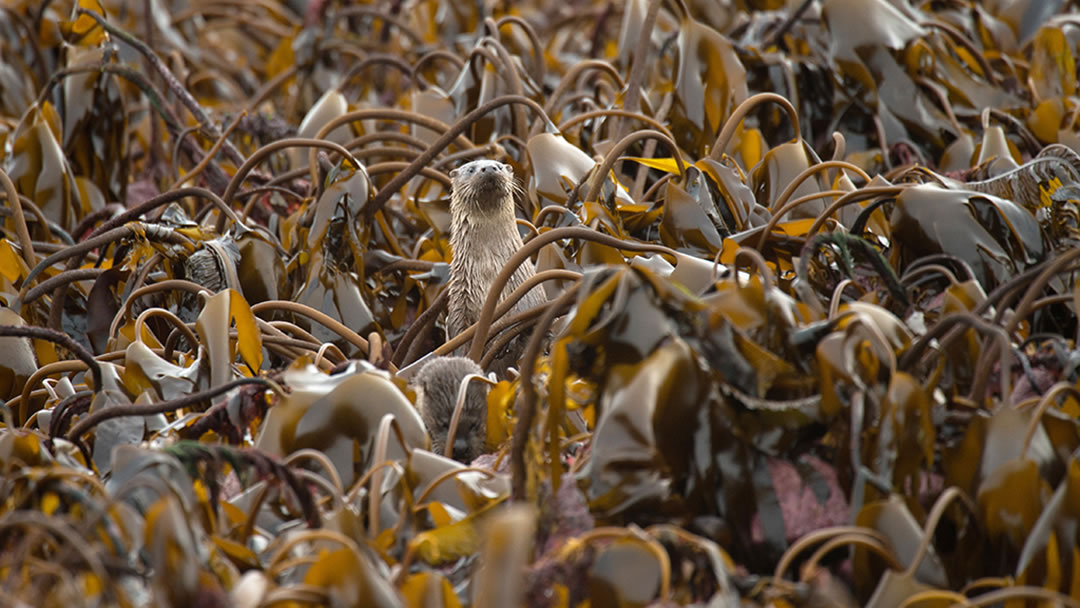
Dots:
{"x": 534, "y": 40}
{"x": 64, "y": 533}
{"x": 64, "y": 340}
{"x": 390, "y": 114}
{"x": 487, "y": 313}
{"x": 385, "y": 16}
{"x": 598, "y": 178}
{"x": 788, "y": 207}
{"x": 64, "y": 278}
{"x": 743, "y": 109}
{"x": 30, "y": 392}
{"x": 315, "y": 315}
{"x": 25, "y": 243}
{"x": 826, "y": 534}
{"x": 950, "y": 494}
{"x": 161, "y": 200}
{"x": 850, "y": 198}
{"x": 169, "y": 316}
{"x": 814, "y": 169}
{"x": 443, "y": 477}
{"x": 510, "y": 74}
{"x": 374, "y": 59}
{"x": 100, "y": 240}
{"x": 86, "y": 224}
{"x": 132, "y": 75}
{"x": 170, "y": 81}
{"x": 419, "y": 327}
{"x": 459, "y": 406}
{"x": 69, "y": 406}
{"x": 120, "y": 411}
{"x": 840, "y": 540}
{"x": 652, "y": 122}
{"x": 440, "y": 144}
{"x": 527, "y": 414}
{"x": 166, "y": 285}
{"x": 637, "y": 68}
{"x": 211, "y": 153}
{"x": 259, "y": 155}
{"x": 501, "y": 339}
{"x": 571, "y": 77}
{"x": 430, "y": 57}
{"x": 1044, "y": 404}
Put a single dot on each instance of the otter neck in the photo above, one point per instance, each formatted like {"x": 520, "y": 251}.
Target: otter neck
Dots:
{"x": 474, "y": 232}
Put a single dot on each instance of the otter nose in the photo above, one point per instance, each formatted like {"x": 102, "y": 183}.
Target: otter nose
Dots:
{"x": 462, "y": 453}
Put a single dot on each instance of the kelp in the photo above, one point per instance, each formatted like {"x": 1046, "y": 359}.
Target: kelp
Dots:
{"x": 809, "y": 337}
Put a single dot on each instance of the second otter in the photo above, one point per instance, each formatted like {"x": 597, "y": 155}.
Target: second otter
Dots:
{"x": 483, "y": 235}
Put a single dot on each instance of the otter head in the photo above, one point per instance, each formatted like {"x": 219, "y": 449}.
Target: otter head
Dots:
{"x": 436, "y": 386}
{"x": 487, "y": 185}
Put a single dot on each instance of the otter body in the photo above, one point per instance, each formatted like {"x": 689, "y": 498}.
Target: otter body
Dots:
{"x": 483, "y": 235}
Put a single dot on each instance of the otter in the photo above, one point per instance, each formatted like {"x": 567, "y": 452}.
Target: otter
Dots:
{"x": 436, "y": 386}
{"x": 483, "y": 236}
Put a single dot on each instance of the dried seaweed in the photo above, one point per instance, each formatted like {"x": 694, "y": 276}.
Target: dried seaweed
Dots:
{"x": 809, "y": 335}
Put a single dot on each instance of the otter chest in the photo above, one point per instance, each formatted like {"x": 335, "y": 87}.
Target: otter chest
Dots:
{"x": 480, "y": 249}
{"x": 480, "y": 254}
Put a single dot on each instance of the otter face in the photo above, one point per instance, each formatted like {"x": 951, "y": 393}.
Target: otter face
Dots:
{"x": 437, "y": 386}
{"x": 486, "y": 183}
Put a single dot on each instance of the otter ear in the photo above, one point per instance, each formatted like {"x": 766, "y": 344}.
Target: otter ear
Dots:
{"x": 508, "y": 168}
{"x": 453, "y": 173}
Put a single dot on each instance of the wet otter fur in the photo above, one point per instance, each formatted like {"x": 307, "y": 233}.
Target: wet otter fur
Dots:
{"x": 436, "y": 386}
{"x": 483, "y": 235}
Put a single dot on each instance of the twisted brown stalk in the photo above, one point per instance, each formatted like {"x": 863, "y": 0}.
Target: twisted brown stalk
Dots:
{"x": 1023, "y": 310}
{"x": 64, "y": 340}
{"x": 570, "y": 78}
{"x": 100, "y": 240}
{"x": 570, "y": 232}
{"x": 520, "y": 437}
{"x": 855, "y": 196}
{"x": 138, "y": 409}
{"x": 59, "y": 297}
{"x": 388, "y": 114}
{"x": 652, "y": 122}
{"x": 744, "y": 108}
{"x": 259, "y": 155}
{"x": 637, "y": 68}
{"x": 440, "y": 144}
{"x": 63, "y": 278}
{"x": 170, "y": 80}
{"x": 534, "y": 40}
{"x": 509, "y": 73}
{"x": 166, "y": 285}
{"x": 329, "y": 322}
{"x": 25, "y": 243}
{"x": 506, "y": 329}
{"x": 420, "y": 326}
{"x": 787, "y": 208}
{"x": 612, "y": 157}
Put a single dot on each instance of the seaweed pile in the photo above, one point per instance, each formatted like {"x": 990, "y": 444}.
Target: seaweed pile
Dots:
{"x": 810, "y": 336}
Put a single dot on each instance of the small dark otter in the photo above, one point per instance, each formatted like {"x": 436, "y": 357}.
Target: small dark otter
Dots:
{"x": 436, "y": 386}
{"x": 483, "y": 235}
